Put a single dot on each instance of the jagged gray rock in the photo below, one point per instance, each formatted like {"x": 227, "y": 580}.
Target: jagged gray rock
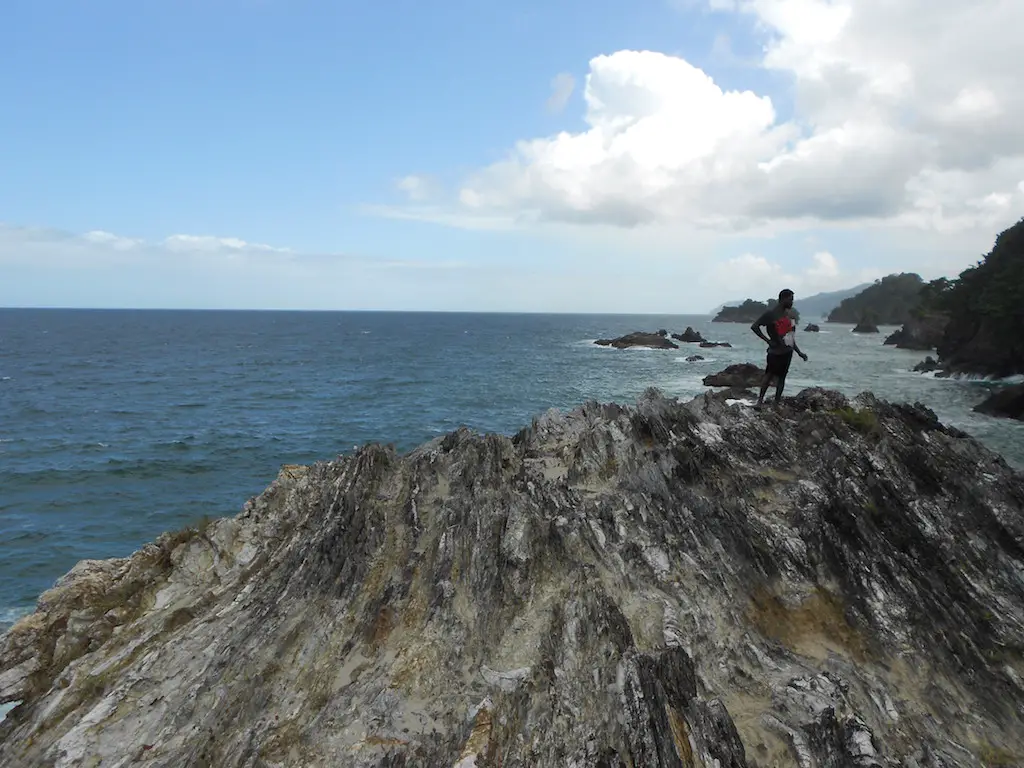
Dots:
{"x": 827, "y": 583}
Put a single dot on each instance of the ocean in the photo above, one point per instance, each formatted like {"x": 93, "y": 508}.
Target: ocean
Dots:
{"x": 118, "y": 425}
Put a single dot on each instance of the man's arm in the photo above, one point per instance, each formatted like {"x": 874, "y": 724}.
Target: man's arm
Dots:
{"x": 796, "y": 348}
{"x": 756, "y": 327}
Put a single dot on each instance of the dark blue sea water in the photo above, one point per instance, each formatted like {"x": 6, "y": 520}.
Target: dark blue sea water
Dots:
{"x": 118, "y": 425}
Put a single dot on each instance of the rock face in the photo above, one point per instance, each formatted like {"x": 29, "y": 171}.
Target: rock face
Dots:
{"x": 740, "y": 376}
{"x": 920, "y": 333}
{"x": 832, "y": 583}
{"x": 928, "y": 365}
{"x": 1007, "y": 402}
{"x": 865, "y": 327}
{"x": 812, "y": 328}
{"x": 639, "y": 339}
{"x": 689, "y": 336}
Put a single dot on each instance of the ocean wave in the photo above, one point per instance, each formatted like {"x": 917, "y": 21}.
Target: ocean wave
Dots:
{"x": 136, "y": 469}
{"x": 9, "y": 616}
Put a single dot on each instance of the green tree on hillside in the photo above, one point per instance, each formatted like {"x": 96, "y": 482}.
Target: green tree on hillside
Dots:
{"x": 888, "y": 302}
{"x": 985, "y": 333}
{"x": 748, "y": 312}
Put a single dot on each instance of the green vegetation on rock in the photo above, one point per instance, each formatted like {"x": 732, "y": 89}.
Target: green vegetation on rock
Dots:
{"x": 890, "y": 301}
{"x": 985, "y": 333}
{"x": 748, "y": 312}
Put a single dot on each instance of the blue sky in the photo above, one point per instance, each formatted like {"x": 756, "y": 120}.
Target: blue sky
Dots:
{"x": 292, "y": 124}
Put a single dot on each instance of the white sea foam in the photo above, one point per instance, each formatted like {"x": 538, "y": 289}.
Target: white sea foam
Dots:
{"x": 10, "y": 615}
{"x": 6, "y": 708}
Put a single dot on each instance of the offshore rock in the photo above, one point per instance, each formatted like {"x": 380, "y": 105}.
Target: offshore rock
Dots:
{"x": 812, "y": 328}
{"x": 865, "y": 326}
{"x": 830, "y": 583}
{"x": 689, "y": 336}
{"x": 923, "y": 332}
{"x": 739, "y": 376}
{"x": 1006, "y": 402}
{"x": 639, "y": 339}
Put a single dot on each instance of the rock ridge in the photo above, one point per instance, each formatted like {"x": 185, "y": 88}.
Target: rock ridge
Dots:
{"x": 829, "y": 583}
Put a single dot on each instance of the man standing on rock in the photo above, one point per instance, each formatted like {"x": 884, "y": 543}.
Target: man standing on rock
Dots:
{"x": 781, "y": 340}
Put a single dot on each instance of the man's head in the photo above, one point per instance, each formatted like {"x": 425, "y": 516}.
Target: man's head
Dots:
{"x": 786, "y": 299}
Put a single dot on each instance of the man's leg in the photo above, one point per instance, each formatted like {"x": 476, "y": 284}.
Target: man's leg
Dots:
{"x": 764, "y": 387}
{"x": 780, "y": 385}
{"x": 781, "y": 376}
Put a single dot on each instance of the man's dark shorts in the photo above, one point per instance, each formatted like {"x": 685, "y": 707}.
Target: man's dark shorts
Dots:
{"x": 778, "y": 365}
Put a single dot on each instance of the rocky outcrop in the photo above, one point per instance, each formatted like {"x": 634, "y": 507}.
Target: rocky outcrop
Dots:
{"x": 740, "y": 376}
{"x": 985, "y": 333}
{"x": 714, "y": 344}
{"x": 639, "y": 339}
{"x": 928, "y": 365}
{"x": 922, "y": 333}
{"x": 865, "y": 326}
{"x": 748, "y": 312}
{"x": 832, "y": 583}
{"x": 694, "y": 359}
{"x": 689, "y": 336}
{"x": 812, "y": 328}
{"x": 1006, "y": 402}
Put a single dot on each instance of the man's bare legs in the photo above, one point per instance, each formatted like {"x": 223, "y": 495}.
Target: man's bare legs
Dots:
{"x": 765, "y": 383}
{"x": 780, "y": 384}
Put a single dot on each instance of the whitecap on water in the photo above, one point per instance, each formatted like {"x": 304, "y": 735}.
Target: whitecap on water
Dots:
{"x": 5, "y": 709}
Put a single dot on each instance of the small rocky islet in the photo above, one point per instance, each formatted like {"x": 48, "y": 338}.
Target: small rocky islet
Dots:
{"x": 660, "y": 340}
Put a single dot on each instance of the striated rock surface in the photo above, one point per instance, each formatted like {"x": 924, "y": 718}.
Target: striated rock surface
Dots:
{"x": 640, "y": 339}
{"x": 831, "y": 583}
{"x": 739, "y": 376}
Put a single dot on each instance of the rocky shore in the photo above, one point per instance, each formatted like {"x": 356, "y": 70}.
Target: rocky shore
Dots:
{"x": 921, "y": 333}
{"x": 830, "y": 583}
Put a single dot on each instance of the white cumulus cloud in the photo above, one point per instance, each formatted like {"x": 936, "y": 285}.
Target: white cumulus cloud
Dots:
{"x": 906, "y": 112}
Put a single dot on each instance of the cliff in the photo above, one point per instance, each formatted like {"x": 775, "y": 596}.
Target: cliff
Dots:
{"x": 888, "y": 302}
{"x": 985, "y": 333}
{"x": 826, "y": 584}
{"x": 923, "y": 332}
